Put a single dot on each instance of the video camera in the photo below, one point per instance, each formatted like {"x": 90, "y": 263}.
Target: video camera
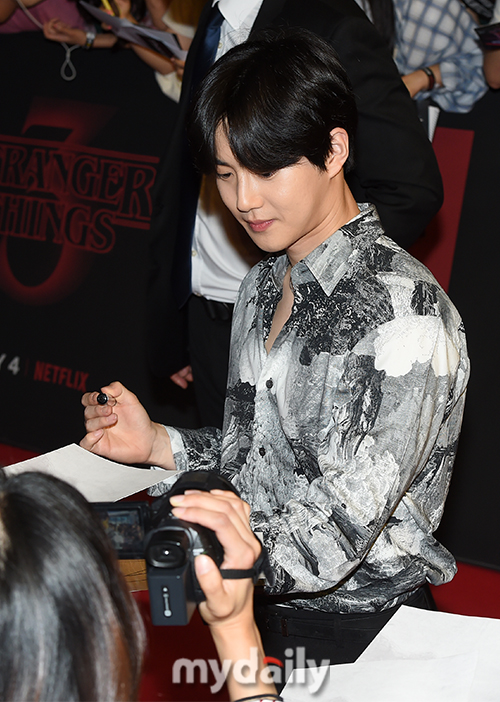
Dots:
{"x": 169, "y": 545}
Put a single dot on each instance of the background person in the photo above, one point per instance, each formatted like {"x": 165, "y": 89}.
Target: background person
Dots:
{"x": 13, "y": 18}
{"x": 89, "y": 37}
{"x": 435, "y": 49}
{"x": 348, "y": 365}
{"x": 69, "y": 628}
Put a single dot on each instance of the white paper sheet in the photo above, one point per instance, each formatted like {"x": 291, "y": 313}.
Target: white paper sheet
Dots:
{"x": 420, "y": 634}
{"x": 434, "y": 680}
{"x": 155, "y": 39}
{"x": 419, "y": 655}
{"x": 98, "y": 479}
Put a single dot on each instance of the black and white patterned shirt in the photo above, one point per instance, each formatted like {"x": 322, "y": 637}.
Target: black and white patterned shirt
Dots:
{"x": 342, "y": 438}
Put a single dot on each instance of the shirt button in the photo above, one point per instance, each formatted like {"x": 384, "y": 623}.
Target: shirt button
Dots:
{"x": 262, "y": 451}
{"x": 269, "y": 383}
{"x": 194, "y": 252}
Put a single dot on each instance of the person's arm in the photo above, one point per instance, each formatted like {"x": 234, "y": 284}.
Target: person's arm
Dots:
{"x": 154, "y": 60}
{"x": 459, "y": 84}
{"x": 55, "y": 30}
{"x": 7, "y": 8}
{"x": 419, "y": 81}
{"x": 395, "y": 165}
{"x": 122, "y": 431}
{"x": 457, "y": 59}
{"x": 228, "y": 609}
{"x": 492, "y": 68}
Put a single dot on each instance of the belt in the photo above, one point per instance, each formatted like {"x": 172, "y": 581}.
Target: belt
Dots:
{"x": 288, "y": 621}
{"x": 221, "y": 311}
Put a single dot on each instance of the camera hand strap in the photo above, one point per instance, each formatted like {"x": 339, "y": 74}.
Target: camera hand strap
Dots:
{"x": 261, "y": 565}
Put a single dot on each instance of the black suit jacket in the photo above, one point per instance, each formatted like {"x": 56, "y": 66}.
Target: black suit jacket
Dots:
{"x": 395, "y": 167}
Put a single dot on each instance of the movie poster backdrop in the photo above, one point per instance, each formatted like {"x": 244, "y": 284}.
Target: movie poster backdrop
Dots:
{"x": 78, "y": 162}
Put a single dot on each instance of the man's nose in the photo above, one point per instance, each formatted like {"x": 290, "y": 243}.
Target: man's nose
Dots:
{"x": 248, "y": 195}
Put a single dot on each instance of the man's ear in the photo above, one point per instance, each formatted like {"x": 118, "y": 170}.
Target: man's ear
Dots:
{"x": 339, "y": 151}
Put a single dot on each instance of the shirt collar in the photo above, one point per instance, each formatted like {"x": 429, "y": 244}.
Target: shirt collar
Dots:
{"x": 236, "y": 11}
{"x": 329, "y": 262}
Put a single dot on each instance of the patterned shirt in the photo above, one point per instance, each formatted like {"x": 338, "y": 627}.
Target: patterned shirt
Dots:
{"x": 342, "y": 438}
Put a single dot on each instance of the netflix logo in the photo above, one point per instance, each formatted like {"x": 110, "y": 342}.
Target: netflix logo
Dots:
{"x": 49, "y": 373}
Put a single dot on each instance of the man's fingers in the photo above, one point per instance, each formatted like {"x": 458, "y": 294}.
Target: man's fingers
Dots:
{"x": 90, "y": 441}
{"x": 182, "y": 377}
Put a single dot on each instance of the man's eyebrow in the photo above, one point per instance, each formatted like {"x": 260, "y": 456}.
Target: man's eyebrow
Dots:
{"x": 218, "y": 162}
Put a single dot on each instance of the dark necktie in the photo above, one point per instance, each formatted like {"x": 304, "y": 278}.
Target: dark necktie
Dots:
{"x": 190, "y": 179}
{"x": 208, "y": 48}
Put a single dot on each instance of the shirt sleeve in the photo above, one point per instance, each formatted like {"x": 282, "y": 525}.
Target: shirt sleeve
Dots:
{"x": 441, "y": 32}
{"x": 193, "y": 449}
{"x": 463, "y": 82}
{"x": 384, "y": 460}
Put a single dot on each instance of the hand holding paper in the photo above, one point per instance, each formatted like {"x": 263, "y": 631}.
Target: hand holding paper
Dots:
{"x": 163, "y": 43}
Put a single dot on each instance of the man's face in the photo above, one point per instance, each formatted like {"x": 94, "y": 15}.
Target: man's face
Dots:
{"x": 288, "y": 210}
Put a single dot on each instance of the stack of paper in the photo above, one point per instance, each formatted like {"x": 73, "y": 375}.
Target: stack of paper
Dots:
{"x": 419, "y": 655}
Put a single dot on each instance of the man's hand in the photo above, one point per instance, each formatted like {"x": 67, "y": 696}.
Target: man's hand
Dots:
{"x": 122, "y": 430}
{"x": 183, "y": 377}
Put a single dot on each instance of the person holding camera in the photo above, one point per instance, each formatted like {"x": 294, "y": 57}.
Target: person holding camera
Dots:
{"x": 348, "y": 366}
{"x": 69, "y": 628}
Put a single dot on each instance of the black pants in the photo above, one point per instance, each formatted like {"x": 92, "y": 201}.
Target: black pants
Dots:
{"x": 323, "y": 637}
{"x": 209, "y": 327}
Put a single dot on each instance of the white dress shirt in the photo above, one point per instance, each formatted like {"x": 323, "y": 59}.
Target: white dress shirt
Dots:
{"x": 222, "y": 252}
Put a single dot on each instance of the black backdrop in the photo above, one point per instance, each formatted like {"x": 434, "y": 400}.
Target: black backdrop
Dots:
{"x": 72, "y": 293}
{"x": 471, "y": 524}
{"x": 77, "y": 160}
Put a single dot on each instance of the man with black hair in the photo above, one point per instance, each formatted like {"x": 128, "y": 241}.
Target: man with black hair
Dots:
{"x": 348, "y": 364}
{"x": 199, "y": 255}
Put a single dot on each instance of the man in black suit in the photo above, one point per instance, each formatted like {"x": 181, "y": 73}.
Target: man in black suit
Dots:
{"x": 395, "y": 169}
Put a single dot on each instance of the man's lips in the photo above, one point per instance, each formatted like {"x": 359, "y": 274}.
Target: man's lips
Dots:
{"x": 259, "y": 225}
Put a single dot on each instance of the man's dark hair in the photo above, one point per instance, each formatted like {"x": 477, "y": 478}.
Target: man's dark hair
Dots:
{"x": 69, "y": 629}
{"x": 277, "y": 97}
